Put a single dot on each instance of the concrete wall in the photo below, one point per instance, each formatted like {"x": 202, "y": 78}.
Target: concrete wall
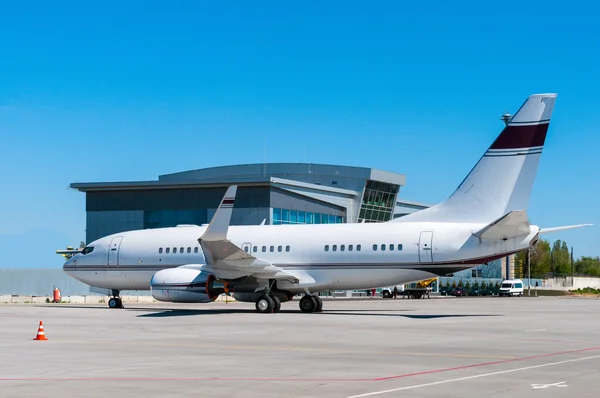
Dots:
{"x": 41, "y": 282}
{"x": 571, "y": 283}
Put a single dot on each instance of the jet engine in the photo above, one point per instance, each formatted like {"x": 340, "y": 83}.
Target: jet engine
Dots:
{"x": 186, "y": 285}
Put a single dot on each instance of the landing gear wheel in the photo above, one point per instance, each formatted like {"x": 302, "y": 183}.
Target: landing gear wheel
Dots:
{"x": 308, "y": 304}
{"x": 319, "y": 301}
{"x": 277, "y": 302}
{"x": 265, "y": 305}
{"x": 115, "y": 302}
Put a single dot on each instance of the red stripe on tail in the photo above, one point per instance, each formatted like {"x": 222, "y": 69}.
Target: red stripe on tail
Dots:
{"x": 517, "y": 137}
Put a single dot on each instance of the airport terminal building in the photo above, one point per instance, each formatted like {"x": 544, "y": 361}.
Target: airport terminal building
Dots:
{"x": 270, "y": 193}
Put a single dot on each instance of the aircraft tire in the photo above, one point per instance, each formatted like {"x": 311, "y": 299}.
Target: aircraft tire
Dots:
{"x": 265, "y": 304}
{"x": 319, "y": 307}
{"x": 114, "y": 303}
{"x": 308, "y": 304}
{"x": 277, "y": 302}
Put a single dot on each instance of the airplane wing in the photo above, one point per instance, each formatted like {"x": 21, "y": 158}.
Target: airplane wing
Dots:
{"x": 225, "y": 259}
{"x": 512, "y": 224}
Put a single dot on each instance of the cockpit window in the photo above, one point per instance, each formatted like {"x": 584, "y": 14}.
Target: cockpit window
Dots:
{"x": 87, "y": 250}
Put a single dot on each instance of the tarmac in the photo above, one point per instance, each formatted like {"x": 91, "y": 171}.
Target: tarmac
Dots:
{"x": 459, "y": 347}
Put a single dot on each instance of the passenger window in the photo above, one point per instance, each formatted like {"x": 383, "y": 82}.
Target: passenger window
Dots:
{"x": 374, "y": 248}
{"x": 246, "y": 249}
{"x": 160, "y": 250}
{"x": 189, "y": 250}
{"x": 255, "y": 249}
{"x": 195, "y": 250}
{"x": 392, "y": 247}
{"x": 399, "y": 246}
{"x": 264, "y": 249}
{"x": 334, "y": 248}
{"x": 342, "y": 248}
{"x": 279, "y": 248}
{"x": 181, "y": 250}
{"x": 349, "y": 248}
{"x": 174, "y": 250}
{"x": 287, "y": 248}
{"x": 272, "y": 248}
{"x": 167, "y": 251}
{"x": 358, "y": 247}
{"x": 382, "y": 247}
{"x": 326, "y": 248}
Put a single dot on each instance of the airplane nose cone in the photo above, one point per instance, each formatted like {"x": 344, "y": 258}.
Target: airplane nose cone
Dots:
{"x": 69, "y": 266}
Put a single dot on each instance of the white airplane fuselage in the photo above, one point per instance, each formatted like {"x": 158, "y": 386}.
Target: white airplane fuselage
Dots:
{"x": 323, "y": 257}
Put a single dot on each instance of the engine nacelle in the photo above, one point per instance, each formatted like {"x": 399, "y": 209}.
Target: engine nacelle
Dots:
{"x": 185, "y": 285}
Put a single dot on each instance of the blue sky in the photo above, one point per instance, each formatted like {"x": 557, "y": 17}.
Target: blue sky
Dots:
{"x": 128, "y": 90}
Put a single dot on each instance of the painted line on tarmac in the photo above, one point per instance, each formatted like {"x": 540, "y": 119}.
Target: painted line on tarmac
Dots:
{"x": 323, "y": 379}
{"x": 370, "y": 394}
{"x": 290, "y": 349}
{"x": 479, "y": 365}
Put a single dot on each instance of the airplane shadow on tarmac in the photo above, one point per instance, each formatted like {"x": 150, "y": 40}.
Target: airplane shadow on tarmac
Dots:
{"x": 162, "y": 313}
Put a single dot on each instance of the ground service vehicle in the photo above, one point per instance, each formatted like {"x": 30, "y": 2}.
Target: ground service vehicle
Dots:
{"x": 417, "y": 291}
{"x": 511, "y": 287}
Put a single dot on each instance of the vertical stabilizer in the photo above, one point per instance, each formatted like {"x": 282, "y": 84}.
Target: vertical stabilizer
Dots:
{"x": 503, "y": 178}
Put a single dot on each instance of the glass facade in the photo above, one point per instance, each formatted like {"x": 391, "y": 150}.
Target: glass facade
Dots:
{"x": 171, "y": 218}
{"x": 378, "y": 203}
{"x": 287, "y": 216}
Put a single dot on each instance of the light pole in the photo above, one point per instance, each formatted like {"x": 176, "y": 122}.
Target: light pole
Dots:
{"x": 529, "y": 271}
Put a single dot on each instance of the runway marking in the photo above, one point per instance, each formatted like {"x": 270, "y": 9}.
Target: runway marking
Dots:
{"x": 472, "y": 377}
{"x": 559, "y": 384}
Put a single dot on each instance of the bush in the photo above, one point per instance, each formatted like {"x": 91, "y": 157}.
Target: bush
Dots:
{"x": 586, "y": 290}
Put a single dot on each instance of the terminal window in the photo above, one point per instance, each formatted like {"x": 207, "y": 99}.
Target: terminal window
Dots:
{"x": 287, "y": 216}
{"x": 378, "y": 203}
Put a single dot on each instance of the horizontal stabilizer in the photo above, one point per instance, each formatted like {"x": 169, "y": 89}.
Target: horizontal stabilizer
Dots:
{"x": 512, "y": 224}
{"x": 555, "y": 229}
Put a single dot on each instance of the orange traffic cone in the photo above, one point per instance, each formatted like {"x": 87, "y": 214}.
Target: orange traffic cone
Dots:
{"x": 40, "y": 334}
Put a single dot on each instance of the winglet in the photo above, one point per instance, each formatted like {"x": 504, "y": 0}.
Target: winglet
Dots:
{"x": 217, "y": 229}
{"x": 555, "y": 229}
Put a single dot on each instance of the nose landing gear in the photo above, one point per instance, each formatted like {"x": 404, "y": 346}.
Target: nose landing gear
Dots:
{"x": 115, "y": 301}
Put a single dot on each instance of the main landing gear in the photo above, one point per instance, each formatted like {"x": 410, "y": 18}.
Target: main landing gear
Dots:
{"x": 311, "y": 303}
{"x": 268, "y": 304}
{"x": 115, "y": 300}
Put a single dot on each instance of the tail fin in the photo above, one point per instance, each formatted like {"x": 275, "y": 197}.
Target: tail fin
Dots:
{"x": 503, "y": 178}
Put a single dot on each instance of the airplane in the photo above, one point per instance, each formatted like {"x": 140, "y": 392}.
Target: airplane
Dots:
{"x": 483, "y": 220}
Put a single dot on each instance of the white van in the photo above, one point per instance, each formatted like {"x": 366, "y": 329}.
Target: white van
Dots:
{"x": 511, "y": 287}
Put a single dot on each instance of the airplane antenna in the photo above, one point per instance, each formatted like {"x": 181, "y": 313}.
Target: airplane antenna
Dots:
{"x": 265, "y": 159}
{"x": 506, "y": 118}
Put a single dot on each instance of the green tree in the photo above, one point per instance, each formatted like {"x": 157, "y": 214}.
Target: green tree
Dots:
{"x": 540, "y": 259}
{"x": 561, "y": 258}
{"x": 81, "y": 244}
{"x": 587, "y": 266}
